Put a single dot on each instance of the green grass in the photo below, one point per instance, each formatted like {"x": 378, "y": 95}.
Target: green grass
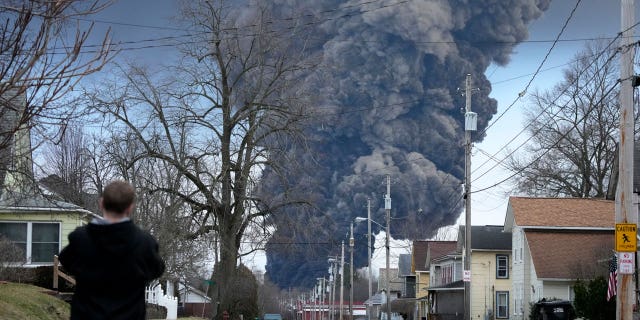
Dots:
{"x": 23, "y": 301}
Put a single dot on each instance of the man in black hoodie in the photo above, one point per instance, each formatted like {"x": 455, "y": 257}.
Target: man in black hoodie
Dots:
{"x": 112, "y": 260}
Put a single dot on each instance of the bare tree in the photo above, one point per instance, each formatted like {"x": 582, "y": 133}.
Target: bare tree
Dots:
{"x": 66, "y": 167}
{"x": 41, "y": 61}
{"x": 216, "y": 123}
{"x": 574, "y": 130}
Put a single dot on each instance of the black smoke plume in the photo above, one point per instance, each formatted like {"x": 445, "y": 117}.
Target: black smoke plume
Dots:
{"x": 391, "y": 104}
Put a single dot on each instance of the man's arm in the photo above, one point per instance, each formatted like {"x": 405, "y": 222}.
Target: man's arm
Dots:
{"x": 68, "y": 257}
{"x": 157, "y": 265}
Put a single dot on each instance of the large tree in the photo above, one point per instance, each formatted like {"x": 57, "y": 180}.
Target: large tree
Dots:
{"x": 43, "y": 54}
{"x": 215, "y": 121}
{"x": 573, "y": 129}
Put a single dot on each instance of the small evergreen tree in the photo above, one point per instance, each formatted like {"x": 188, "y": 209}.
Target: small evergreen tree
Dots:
{"x": 591, "y": 300}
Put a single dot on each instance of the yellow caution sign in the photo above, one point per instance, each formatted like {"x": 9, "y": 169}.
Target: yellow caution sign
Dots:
{"x": 626, "y": 237}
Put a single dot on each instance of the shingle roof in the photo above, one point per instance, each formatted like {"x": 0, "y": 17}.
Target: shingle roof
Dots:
{"x": 419, "y": 255}
{"x": 438, "y": 249}
{"x": 562, "y": 212}
{"x": 404, "y": 265}
{"x": 426, "y": 250}
{"x": 568, "y": 255}
{"x": 14, "y": 202}
{"x": 487, "y": 238}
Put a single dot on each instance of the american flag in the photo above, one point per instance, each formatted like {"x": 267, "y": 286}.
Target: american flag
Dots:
{"x": 613, "y": 274}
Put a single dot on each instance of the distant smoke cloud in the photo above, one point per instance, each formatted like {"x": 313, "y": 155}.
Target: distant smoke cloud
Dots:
{"x": 392, "y": 88}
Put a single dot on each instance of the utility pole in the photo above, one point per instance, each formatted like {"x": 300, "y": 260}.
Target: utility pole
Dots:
{"x": 351, "y": 244}
{"x": 342, "y": 282}
{"x": 333, "y": 287}
{"x": 469, "y": 125}
{"x": 624, "y": 205}
{"x": 387, "y": 207}
{"x": 369, "y": 245}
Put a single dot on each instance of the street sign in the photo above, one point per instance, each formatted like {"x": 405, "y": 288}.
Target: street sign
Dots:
{"x": 627, "y": 262}
{"x": 626, "y": 234}
{"x": 466, "y": 276}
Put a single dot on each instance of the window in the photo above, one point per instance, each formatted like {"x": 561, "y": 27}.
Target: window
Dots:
{"x": 502, "y": 266}
{"x": 502, "y": 304}
{"x": 38, "y": 240}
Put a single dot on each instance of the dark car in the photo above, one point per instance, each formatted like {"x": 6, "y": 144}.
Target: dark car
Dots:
{"x": 555, "y": 310}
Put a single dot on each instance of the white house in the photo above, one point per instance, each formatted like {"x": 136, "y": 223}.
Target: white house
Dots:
{"x": 556, "y": 241}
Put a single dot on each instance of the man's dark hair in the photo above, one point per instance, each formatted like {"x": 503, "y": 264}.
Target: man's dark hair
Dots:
{"x": 117, "y": 196}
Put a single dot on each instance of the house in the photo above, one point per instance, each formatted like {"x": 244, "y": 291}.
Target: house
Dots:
{"x": 556, "y": 241}
{"x": 408, "y": 277}
{"x": 490, "y": 271}
{"x": 194, "y": 302}
{"x": 446, "y": 289}
{"x": 421, "y": 254}
{"x": 490, "y": 276}
{"x": 33, "y": 220}
{"x": 396, "y": 285}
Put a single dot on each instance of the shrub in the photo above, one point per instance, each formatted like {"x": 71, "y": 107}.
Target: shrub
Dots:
{"x": 11, "y": 257}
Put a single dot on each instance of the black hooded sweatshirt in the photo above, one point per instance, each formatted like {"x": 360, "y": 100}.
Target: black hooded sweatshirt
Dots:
{"x": 112, "y": 264}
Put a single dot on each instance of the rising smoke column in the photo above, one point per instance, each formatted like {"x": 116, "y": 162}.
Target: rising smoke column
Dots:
{"x": 390, "y": 105}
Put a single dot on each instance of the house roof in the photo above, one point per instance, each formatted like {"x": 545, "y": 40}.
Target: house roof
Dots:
{"x": 21, "y": 202}
{"x": 568, "y": 255}
{"x": 487, "y": 238}
{"x": 438, "y": 249}
{"x": 561, "y": 212}
{"x": 451, "y": 286}
{"x": 376, "y": 299}
{"x": 404, "y": 265}
{"x": 419, "y": 256}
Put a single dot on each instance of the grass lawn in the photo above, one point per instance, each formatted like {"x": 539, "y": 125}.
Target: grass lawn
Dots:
{"x": 23, "y": 301}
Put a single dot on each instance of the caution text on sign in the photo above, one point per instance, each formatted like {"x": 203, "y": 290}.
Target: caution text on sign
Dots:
{"x": 626, "y": 237}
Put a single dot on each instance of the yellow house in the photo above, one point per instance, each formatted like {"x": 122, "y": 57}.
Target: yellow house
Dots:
{"x": 491, "y": 272}
{"x": 38, "y": 225}
{"x": 491, "y": 293}
{"x": 31, "y": 217}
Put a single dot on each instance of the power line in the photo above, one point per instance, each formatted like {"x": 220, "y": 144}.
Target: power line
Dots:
{"x": 597, "y": 56}
{"x": 535, "y": 74}
{"x": 548, "y": 149}
{"x": 547, "y": 108}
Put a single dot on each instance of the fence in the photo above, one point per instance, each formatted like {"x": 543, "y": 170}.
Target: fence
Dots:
{"x": 59, "y": 274}
{"x": 155, "y": 295}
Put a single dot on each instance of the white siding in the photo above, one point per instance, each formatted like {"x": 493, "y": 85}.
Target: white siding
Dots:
{"x": 518, "y": 274}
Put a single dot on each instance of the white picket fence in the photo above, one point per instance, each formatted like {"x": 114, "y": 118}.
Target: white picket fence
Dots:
{"x": 155, "y": 295}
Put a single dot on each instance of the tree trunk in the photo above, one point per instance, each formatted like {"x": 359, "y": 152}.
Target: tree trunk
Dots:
{"x": 224, "y": 272}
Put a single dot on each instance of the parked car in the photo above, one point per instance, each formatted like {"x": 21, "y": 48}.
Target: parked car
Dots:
{"x": 555, "y": 310}
{"x": 272, "y": 316}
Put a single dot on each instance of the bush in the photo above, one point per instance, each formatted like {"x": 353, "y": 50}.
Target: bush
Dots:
{"x": 591, "y": 300}
{"x": 11, "y": 256}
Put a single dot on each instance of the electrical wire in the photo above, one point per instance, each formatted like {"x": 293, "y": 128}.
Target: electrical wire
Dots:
{"x": 535, "y": 74}
{"x": 575, "y": 79}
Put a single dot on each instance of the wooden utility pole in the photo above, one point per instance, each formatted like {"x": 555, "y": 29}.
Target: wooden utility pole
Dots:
{"x": 342, "y": 283}
{"x": 387, "y": 209}
{"x": 470, "y": 125}
{"x": 624, "y": 205}
{"x": 351, "y": 244}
